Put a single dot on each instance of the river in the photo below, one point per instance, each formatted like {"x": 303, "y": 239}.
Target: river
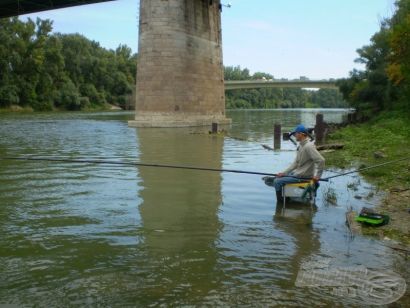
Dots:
{"x": 92, "y": 234}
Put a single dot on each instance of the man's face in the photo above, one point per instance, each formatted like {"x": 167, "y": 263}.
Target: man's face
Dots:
{"x": 300, "y": 137}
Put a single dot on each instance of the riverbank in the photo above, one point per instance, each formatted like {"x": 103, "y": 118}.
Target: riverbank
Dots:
{"x": 16, "y": 108}
{"x": 385, "y": 138}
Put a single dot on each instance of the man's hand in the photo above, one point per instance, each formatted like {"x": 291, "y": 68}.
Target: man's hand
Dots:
{"x": 280, "y": 174}
{"x": 316, "y": 179}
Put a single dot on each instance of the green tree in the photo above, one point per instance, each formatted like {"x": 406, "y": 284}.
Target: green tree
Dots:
{"x": 398, "y": 68}
{"x": 66, "y": 71}
{"x": 384, "y": 84}
{"x": 68, "y": 97}
{"x": 236, "y": 73}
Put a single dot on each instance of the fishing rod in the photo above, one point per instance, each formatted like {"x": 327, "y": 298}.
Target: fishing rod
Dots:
{"x": 138, "y": 164}
{"x": 367, "y": 168}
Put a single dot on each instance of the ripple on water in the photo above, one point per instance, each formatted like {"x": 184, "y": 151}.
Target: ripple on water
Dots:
{"x": 99, "y": 235}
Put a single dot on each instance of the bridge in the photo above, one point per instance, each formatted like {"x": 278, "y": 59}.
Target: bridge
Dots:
{"x": 252, "y": 84}
{"x": 10, "y": 8}
{"x": 180, "y": 80}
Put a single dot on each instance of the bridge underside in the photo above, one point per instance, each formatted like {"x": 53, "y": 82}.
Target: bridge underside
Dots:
{"x": 10, "y": 8}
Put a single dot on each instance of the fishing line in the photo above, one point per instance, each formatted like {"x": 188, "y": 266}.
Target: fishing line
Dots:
{"x": 367, "y": 168}
{"x": 138, "y": 164}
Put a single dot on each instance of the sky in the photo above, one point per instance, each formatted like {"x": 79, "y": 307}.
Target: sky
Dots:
{"x": 286, "y": 38}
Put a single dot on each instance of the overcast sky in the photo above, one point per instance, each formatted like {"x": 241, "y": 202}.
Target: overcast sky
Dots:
{"x": 286, "y": 38}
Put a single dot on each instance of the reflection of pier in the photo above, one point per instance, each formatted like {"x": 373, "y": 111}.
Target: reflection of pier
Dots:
{"x": 179, "y": 211}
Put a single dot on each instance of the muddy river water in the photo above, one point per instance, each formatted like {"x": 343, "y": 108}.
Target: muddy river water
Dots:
{"x": 123, "y": 236}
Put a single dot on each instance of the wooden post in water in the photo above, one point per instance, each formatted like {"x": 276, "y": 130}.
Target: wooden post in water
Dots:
{"x": 214, "y": 128}
{"x": 351, "y": 117}
{"x": 277, "y": 135}
{"x": 319, "y": 129}
{"x": 354, "y": 117}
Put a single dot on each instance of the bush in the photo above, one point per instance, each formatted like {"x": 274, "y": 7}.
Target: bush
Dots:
{"x": 42, "y": 105}
{"x": 95, "y": 97}
{"x": 8, "y": 96}
{"x": 69, "y": 97}
{"x": 84, "y": 102}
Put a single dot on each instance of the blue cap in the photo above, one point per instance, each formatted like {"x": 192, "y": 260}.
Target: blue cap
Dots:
{"x": 300, "y": 129}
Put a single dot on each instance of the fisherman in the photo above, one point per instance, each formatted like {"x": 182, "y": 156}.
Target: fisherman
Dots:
{"x": 308, "y": 163}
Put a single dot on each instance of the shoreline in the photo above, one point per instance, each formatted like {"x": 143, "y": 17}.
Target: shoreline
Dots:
{"x": 384, "y": 138}
{"x": 19, "y": 109}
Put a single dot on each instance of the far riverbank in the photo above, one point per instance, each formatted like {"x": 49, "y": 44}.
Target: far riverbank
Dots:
{"x": 16, "y": 108}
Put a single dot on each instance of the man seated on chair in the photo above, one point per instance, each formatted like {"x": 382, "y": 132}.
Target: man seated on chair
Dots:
{"x": 308, "y": 163}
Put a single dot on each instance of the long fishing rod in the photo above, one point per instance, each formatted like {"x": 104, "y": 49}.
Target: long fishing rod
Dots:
{"x": 109, "y": 162}
{"x": 367, "y": 168}
{"x": 138, "y": 164}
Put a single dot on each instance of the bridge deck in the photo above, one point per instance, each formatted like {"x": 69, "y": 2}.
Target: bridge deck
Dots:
{"x": 252, "y": 84}
{"x": 10, "y": 8}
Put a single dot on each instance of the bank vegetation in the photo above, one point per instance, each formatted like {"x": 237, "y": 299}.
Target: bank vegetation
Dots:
{"x": 381, "y": 95}
{"x": 45, "y": 71}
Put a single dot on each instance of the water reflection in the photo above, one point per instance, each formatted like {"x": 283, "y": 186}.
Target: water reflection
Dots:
{"x": 179, "y": 212}
{"x": 258, "y": 124}
{"x": 297, "y": 221}
{"x": 308, "y": 117}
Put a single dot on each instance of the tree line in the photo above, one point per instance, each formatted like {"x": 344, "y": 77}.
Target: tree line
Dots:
{"x": 384, "y": 84}
{"x": 48, "y": 71}
{"x": 277, "y": 97}
{"x": 53, "y": 71}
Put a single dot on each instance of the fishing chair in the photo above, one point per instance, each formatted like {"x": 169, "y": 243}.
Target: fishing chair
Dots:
{"x": 306, "y": 191}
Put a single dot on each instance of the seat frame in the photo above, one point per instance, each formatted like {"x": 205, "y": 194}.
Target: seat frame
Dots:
{"x": 296, "y": 190}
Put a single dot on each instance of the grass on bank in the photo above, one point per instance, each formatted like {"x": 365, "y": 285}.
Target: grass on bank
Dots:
{"x": 388, "y": 136}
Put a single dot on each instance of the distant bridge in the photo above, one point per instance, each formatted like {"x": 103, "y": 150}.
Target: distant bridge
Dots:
{"x": 252, "y": 84}
{"x": 180, "y": 79}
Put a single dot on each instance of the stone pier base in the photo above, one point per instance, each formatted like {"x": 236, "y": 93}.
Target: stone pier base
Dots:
{"x": 177, "y": 121}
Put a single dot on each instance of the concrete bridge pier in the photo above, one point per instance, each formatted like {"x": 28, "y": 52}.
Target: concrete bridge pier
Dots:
{"x": 180, "y": 78}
